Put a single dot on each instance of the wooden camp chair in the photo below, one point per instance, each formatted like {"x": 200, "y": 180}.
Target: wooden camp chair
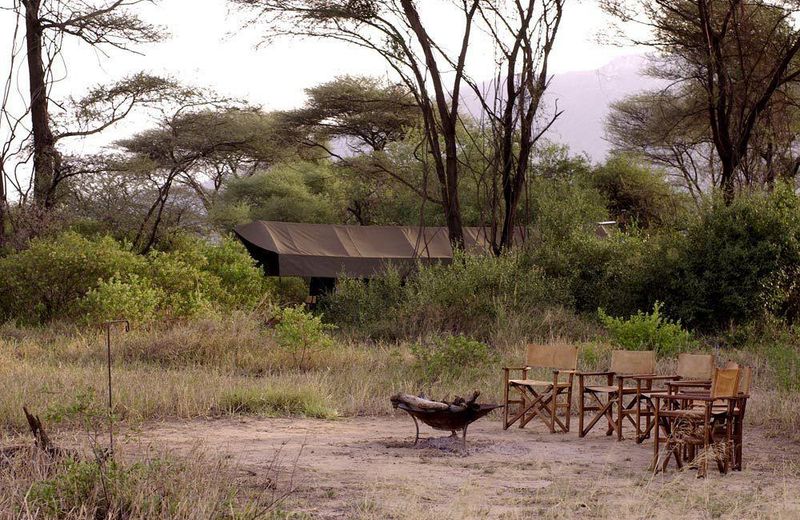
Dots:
{"x": 625, "y": 366}
{"x": 707, "y": 421}
{"x": 746, "y": 380}
{"x": 737, "y": 414}
{"x": 694, "y": 371}
{"x": 540, "y": 398}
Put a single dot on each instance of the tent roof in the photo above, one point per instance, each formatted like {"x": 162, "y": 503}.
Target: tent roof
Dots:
{"x": 325, "y": 250}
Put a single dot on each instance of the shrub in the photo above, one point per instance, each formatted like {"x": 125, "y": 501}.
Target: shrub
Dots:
{"x": 44, "y": 281}
{"x": 647, "y": 331}
{"x": 372, "y": 308}
{"x": 301, "y": 334}
{"x": 727, "y": 272}
{"x": 637, "y": 195}
{"x": 71, "y": 277}
{"x": 476, "y": 293}
{"x": 621, "y": 273}
{"x": 133, "y": 298}
{"x": 452, "y": 357}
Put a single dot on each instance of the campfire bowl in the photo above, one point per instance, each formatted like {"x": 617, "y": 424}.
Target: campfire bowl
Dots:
{"x": 448, "y": 420}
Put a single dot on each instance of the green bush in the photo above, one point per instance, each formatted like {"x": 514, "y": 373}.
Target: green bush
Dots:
{"x": 301, "y": 334}
{"x": 475, "y": 294}
{"x": 452, "y": 357}
{"x": 71, "y": 277}
{"x": 133, "y": 298}
{"x": 647, "y": 331}
{"x": 45, "y": 281}
{"x": 621, "y": 273}
{"x": 730, "y": 270}
{"x": 638, "y": 195}
{"x": 371, "y": 307}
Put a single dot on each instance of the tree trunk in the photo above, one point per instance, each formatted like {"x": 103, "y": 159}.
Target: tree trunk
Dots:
{"x": 727, "y": 180}
{"x": 45, "y": 156}
{"x": 3, "y": 206}
{"x": 455, "y": 228}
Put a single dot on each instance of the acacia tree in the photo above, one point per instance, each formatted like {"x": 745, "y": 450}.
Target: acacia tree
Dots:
{"x": 524, "y": 34}
{"x": 395, "y": 29}
{"x": 200, "y": 143}
{"x": 96, "y": 23}
{"x": 364, "y": 113}
{"x": 738, "y": 55}
{"x": 355, "y": 120}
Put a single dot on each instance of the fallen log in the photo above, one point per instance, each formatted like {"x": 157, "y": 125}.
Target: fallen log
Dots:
{"x": 418, "y": 402}
{"x": 459, "y": 404}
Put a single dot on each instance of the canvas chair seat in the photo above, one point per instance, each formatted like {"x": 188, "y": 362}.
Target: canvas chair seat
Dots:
{"x": 534, "y": 382}
{"x": 689, "y": 413}
{"x": 716, "y": 409}
{"x": 611, "y": 389}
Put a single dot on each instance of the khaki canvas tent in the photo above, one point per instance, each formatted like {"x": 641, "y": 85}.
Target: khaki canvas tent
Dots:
{"x": 329, "y": 251}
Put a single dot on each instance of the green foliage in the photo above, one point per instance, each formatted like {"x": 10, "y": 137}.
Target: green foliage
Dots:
{"x": 773, "y": 348}
{"x": 563, "y": 202}
{"x": 638, "y": 195}
{"x": 44, "y": 281}
{"x": 452, "y": 357}
{"x": 301, "y": 334}
{"x": 647, "y": 331}
{"x": 71, "y": 277}
{"x": 132, "y": 298}
{"x": 278, "y": 402}
{"x": 475, "y": 294}
{"x": 289, "y": 192}
{"x": 371, "y": 307}
{"x": 478, "y": 292}
{"x": 730, "y": 269}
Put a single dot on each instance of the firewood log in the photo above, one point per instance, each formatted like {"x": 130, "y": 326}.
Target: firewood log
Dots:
{"x": 416, "y": 402}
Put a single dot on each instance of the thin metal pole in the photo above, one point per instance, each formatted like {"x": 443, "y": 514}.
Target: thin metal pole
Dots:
{"x": 108, "y": 325}
{"x": 110, "y": 403}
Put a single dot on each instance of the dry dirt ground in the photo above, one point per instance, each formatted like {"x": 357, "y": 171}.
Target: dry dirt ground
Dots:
{"x": 367, "y": 467}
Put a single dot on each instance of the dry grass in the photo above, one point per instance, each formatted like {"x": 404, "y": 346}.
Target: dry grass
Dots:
{"x": 34, "y": 485}
{"x": 232, "y": 366}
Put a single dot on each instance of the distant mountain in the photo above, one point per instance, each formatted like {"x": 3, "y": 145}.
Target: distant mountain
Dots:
{"x": 585, "y": 98}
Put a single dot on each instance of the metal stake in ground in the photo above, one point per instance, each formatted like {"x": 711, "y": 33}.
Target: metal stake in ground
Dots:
{"x": 108, "y": 325}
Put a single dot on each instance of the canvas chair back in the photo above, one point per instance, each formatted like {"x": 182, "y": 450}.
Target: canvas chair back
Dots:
{"x": 745, "y": 380}
{"x": 561, "y": 356}
{"x": 725, "y": 383}
{"x": 696, "y": 366}
{"x": 633, "y": 362}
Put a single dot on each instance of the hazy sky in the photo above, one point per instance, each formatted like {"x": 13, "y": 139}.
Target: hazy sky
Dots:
{"x": 207, "y": 47}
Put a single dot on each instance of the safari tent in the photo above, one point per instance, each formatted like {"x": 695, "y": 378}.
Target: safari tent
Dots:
{"x": 330, "y": 251}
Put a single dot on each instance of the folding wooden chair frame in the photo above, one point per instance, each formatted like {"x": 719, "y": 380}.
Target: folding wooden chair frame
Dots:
{"x": 623, "y": 361}
{"x": 676, "y": 410}
{"x": 694, "y": 371}
{"x": 541, "y": 398}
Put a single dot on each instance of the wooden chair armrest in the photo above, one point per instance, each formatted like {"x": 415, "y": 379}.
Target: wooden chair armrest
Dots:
{"x": 693, "y": 397}
{"x": 561, "y": 371}
{"x": 673, "y": 377}
{"x": 586, "y": 374}
{"x": 635, "y": 376}
{"x": 689, "y": 384}
{"x": 509, "y": 369}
